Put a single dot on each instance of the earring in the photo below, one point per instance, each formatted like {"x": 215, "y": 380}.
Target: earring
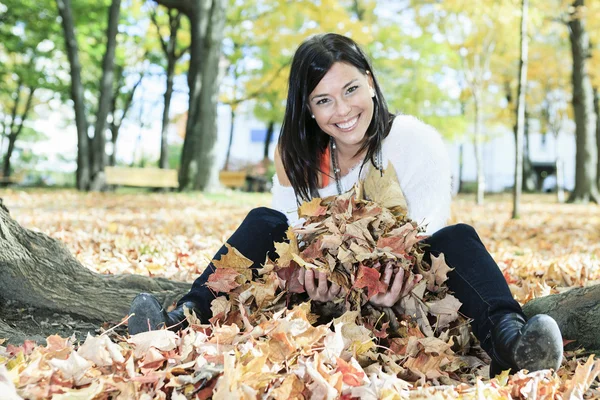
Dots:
{"x": 372, "y": 92}
{"x": 313, "y": 116}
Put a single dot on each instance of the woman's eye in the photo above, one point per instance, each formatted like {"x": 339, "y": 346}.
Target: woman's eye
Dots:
{"x": 352, "y": 89}
{"x": 322, "y": 101}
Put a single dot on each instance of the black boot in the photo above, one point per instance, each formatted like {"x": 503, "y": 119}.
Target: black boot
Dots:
{"x": 532, "y": 345}
{"x": 147, "y": 315}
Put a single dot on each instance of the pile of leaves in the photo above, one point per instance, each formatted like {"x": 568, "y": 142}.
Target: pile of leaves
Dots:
{"x": 281, "y": 353}
{"x": 285, "y": 357}
{"x": 354, "y": 238}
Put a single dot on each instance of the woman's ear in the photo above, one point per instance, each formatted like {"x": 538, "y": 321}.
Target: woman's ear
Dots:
{"x": 370, "y": 83}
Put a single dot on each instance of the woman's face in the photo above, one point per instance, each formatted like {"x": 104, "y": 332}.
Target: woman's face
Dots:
{"x": 342, "y": 104}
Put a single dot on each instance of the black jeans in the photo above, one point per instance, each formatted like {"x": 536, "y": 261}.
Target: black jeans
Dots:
{"x": 476, "y": 279}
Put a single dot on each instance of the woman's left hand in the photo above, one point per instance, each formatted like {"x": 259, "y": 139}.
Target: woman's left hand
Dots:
{"x": 395, "y": 292}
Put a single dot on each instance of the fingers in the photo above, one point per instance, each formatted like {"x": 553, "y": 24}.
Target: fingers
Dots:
{"x": 301, "y": 274}
{"x": 393, "y": 294}
{"x": 323, "y": 287}
{"x": 387, "y": 274}
{"x": 410, "y": 284}
{"x": 334, "y": 290}
{"x": 397, "y": 285}
{"x": 309, "y": 283}
{"x": 320, "y": 290}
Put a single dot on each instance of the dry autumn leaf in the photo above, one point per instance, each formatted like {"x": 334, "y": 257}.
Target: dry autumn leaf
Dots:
{"x": 312, "y": 208}
{"x": 385, "y": 190}
{"x": 535, "y": 258}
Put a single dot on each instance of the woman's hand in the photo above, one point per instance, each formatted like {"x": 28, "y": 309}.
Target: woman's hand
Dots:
{"x": 320, "y": 290}
{"x": 398, "y": 289}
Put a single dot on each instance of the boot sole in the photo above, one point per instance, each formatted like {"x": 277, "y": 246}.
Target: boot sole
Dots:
{"x": 540, "y": 346}
{"x": 146, "y": 314}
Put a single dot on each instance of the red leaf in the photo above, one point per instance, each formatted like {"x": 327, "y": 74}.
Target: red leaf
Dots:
{"x": 350, "y": 375}
{"x": 223, "y": 280}
{"x": 290, "y": 276}
{"x": 369, "y": 278}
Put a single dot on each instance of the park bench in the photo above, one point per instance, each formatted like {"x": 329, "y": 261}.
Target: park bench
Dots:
{"x": 244, "y": 181}
{"x": 141, "y": 177}
{"x": 11, "y": 180}
{"x": 233, "y": 179}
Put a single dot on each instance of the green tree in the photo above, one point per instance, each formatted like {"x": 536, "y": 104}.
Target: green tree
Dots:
{"x": 91, "y": 156}
{"x": 27, "y": 29}
{"x": 174, "y": 45}
{"x": 207, "y": 19}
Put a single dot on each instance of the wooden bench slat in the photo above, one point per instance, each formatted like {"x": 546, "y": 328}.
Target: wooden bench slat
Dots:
{"x": 142, "y": 177}
{"x": 233, "y": 179}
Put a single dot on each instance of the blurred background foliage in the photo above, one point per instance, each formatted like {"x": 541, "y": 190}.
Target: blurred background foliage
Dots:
{"x": 451, "y": 63}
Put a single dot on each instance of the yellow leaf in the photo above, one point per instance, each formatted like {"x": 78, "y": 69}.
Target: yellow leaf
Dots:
{"x": 235, "y": 260}
{"x": 312, "y": 208}
{"x": 385, "y": 190}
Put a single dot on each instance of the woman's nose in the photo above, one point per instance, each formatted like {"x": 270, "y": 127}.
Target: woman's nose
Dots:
{"x": 343, "y": 108}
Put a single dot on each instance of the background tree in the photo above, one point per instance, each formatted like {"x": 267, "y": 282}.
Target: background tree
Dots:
{"x": 174, "y": 45}
{"x": 586, "y": 178}
{"x": 28, "y": 31}
{"x": 122, "y": 101}
{"x": 91, "y": 157}
{"x": 521, "y": 110}
{"x": 207, "y": 20}
{"x": 473, "y": 31}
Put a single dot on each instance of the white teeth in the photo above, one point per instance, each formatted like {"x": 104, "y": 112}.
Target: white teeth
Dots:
{"x": 348, "y": 124}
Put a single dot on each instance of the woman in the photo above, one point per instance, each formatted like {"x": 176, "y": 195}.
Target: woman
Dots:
{"x": 336, "y": 127}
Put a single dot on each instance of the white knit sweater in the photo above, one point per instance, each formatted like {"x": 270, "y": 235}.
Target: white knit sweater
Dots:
{"x": 421, "y": 161}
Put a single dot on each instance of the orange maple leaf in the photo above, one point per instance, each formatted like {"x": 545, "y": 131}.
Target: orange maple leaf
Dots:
{"x": 369, "y": 278}
{"x": 223, "y": 280}
{"x": 312, "y": 208}
{"x": 350, "y": 375}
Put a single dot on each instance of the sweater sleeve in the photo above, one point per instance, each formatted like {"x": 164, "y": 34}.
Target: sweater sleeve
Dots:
{"x": 421, "y": 160}
{"x": 284, "y": 200}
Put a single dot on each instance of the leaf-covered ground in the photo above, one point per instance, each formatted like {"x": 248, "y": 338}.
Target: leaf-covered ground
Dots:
{"x": 552, "y": 247}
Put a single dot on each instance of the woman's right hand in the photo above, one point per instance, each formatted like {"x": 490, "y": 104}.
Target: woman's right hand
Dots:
{"x": 319, "y": 288}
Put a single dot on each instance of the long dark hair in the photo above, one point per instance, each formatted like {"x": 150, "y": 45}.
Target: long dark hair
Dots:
{"x": 301, "y": 141}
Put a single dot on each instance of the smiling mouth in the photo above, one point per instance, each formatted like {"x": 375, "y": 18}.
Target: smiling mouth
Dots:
{"x": 348, "y": 125}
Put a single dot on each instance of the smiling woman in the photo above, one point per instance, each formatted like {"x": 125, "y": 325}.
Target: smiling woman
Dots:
{"x": 337, "y": 125}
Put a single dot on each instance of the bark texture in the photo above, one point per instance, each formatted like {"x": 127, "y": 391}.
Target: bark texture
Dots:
{"x": 207, "y": 20}
{"x": 16, "y": 129}
{"x": 577, "y": 313}
{"x": 586, "y": 159}
{"x": 99, "y": 159}
{"x": 207, "y": 177}
{"x": 83, "y": 156}
{"x": 170, "y": 50}
{"x": 39, "y": 271}
{"x": 520, "y": 134}
{"x": 597, "y": 111}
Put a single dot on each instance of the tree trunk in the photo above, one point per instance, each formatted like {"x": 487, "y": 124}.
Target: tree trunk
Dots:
{"x": 268, "y": 139}
{"x": 11, "y": 128}
{"x": 115, "y": 125}
{"x": 15, "y": 132}
{"x": 193, "y": 133}
{"x": 231, "y": 131}
{"x": 207, "y": 177}
{"x": 461, "y": 165}
{"x": 597, "y": 111}
{"x": 39, "y": 271}
{"x": 207, "y": 23}
{"x": 560, "y": 182}
{"x": 586, "y": 180}
{"x": 169, "y": 49}
{"x": 520, "y": 113}
{"x": 83, "y": 160}
{"x": 529, "y": 177}
{"x": 577, "y": 312}
{"x": 105, "y": 100}
{"x": 479, "y": 149}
